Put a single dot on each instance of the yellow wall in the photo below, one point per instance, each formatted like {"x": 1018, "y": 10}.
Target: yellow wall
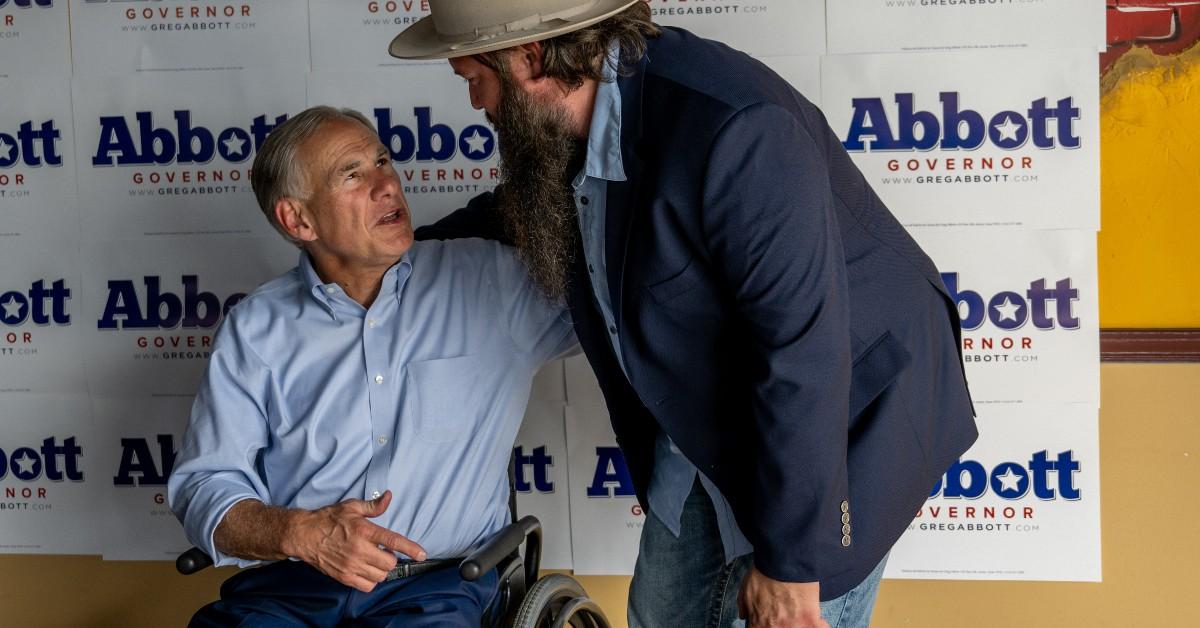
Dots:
{"x": 1150, "y": 191}
{"x": 1150, "y": 486}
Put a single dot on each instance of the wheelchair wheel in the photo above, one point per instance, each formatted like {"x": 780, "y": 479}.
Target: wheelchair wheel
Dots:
{"x": 558, "y": 600}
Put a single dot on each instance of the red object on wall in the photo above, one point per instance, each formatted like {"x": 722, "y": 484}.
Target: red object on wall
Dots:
{"x": 1166, "y": 27}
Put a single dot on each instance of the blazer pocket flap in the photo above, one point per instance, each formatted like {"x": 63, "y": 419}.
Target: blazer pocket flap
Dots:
{"x": 875, "y": 369}
{"x": 665, "y": 290}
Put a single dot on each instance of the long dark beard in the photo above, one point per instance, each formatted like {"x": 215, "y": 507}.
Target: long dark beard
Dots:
{"x": 538, "y": 158}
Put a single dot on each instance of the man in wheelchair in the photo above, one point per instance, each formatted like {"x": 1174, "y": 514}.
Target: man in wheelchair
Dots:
{"x": 353, "y": 429}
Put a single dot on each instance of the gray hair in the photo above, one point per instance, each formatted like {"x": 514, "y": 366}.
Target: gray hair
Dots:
{"x": 277, "y": 172}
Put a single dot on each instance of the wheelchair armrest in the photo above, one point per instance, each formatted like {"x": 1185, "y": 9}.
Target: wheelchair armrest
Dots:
{"x": 192, "y": 561}
{"x": 487, "y": 556}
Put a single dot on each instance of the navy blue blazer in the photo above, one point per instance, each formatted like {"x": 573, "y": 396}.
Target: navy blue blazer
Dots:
{"x": 776, "y": 320}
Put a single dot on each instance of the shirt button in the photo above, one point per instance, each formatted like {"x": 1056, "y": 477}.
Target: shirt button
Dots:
{"x": 382, "y": 440}
{"x": 371, "y": 323}
{"x": 378, "y": 379}
{"x": 591, "y": 269}
{"x": 330, "y": 290}
{"x": 376, "y": 495}
{"x": 584, "y": 200}
{"x": 612, "y": 330}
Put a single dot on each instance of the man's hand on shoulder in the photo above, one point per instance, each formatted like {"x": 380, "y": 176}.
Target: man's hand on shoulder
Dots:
{"x": 764, "y": 602}
{"x": 342, "y": 542}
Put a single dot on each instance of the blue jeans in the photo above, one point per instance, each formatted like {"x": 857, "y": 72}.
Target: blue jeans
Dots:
{"x": 684, "y": 582}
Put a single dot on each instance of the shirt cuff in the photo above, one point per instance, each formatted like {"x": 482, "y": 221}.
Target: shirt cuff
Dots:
{"x": 209, "y": 507}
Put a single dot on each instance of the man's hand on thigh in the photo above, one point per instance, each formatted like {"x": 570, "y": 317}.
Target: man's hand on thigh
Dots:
{"x": 342, "y": 542}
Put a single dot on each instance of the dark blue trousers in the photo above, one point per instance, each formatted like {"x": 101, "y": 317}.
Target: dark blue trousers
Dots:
{"x": 291, "y": 593}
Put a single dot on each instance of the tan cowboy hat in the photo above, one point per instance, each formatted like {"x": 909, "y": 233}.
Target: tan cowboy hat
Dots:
{"x": 456, "y": 28}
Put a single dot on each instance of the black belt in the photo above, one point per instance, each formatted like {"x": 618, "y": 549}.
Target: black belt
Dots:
{"x": 408, "y": 568}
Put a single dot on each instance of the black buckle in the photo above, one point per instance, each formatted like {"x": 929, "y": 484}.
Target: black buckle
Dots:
{"x": 408, "y": 568}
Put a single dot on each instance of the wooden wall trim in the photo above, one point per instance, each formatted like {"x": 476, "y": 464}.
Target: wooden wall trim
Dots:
{"x": 1150, "y": 345}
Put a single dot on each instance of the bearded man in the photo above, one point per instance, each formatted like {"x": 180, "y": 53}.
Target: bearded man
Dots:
{"x": 780, "y": 360}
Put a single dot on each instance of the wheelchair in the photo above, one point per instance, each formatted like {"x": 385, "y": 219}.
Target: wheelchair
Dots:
{"x": 555, "y": 601}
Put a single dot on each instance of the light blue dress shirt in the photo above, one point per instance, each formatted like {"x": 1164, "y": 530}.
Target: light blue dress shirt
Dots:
{"x": 310, "y": 399}
{"x": 674, "y": 474}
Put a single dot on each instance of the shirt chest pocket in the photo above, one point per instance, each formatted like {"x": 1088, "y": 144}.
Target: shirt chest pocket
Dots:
{"x": 446, "y": 397}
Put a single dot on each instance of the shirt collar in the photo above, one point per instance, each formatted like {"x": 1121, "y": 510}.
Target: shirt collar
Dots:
{"x": 604, "y": 137}
{"x": 393, "y": 281}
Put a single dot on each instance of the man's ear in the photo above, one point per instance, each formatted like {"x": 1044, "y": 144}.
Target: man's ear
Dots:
{"x": 525, "y": 61}
{"x": 291, "y": 215}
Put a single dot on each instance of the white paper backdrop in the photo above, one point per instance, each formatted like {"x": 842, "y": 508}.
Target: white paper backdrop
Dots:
{"x": 1030, "y": 312}
{"x": 976, "y": 138}
{"x": 35, "y": 39}
{"x": 908, "y": 25}
{"x": 1022, "y": 504}
{"x": 49, "y": 481}
{"x": 110, "y": 161}
{"x": 120, "y": 37}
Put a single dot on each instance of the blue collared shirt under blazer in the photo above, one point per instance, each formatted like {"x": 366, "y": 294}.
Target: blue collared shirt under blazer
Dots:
{"x": 674, "y": 474}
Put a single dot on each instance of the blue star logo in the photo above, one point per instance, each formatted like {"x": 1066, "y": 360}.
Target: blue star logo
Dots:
{"x": 30, "y": 466}
{"x": 15, "y": 308}
{"x": 7, "y": 150}
{"x": 1010, "y": 485}
{"x": 476, "y": 143}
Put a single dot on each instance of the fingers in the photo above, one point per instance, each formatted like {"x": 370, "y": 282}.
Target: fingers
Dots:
{"x": 378, "y": 559}
{"x": 743, "y": 608}
{"x": 396, "y": 542}
{"x": 368, "y": 508}
{"x": 379, "y": 505}
{"x": 354, "y": 550}
{"x": 366, "y": 585}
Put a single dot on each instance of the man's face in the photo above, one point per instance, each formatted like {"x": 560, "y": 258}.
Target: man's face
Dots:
{"x": 539, "y": 155}
{"x": 356, "y": 212}
{"x": 483, "y": 84}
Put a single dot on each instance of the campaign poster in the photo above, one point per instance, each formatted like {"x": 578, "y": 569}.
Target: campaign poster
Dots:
{"x": 138, "y": 439}
{"x": 360, "y": 30}
{"x": 997, "y": 139}
{"x": 540, "y": 471}
{"x": 1022, "y": 504}
{"x": 41, "y": 322}
{"x": 37, "y": 158}
{"x": 170, "y": 154}
{"x": 606, "y": 519}
{"x": 49, "y": 481}
{"x": 580, "y": 382}
{"x": 763, "y": 27}
{"x": 1029, "y": 309}
{"x": 911, "y": 25}
{"x": 112, "y": 37}
{"x": 35, "y": 38}
{"x": 152, "y": 308}
{"x": 444, "y": 151}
